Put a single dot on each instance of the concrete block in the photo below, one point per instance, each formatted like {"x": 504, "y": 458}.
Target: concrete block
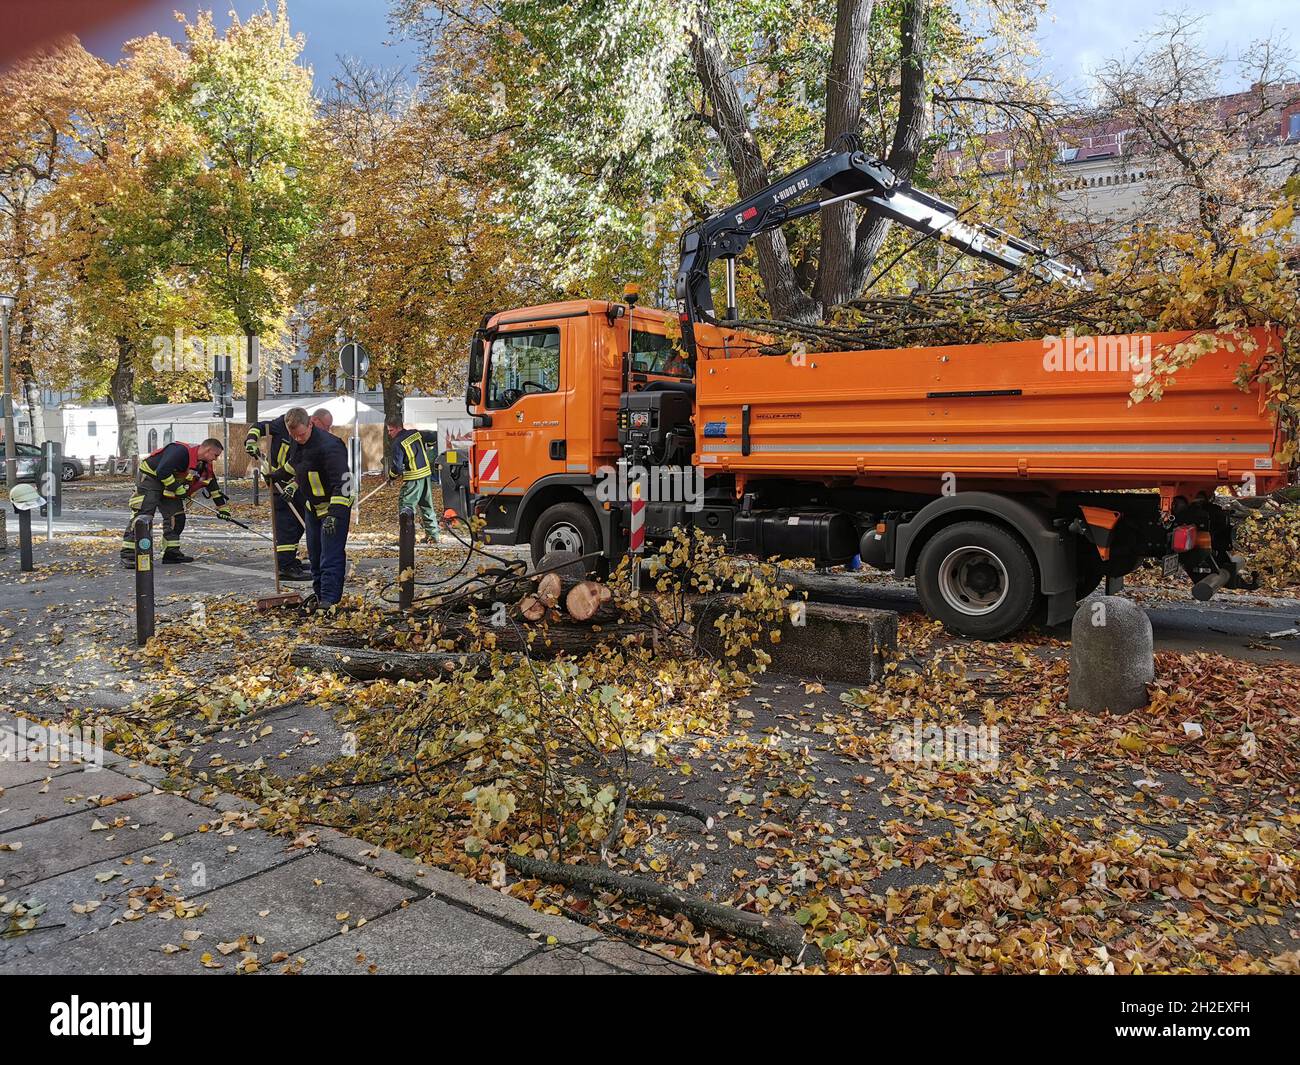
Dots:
{"x": 819, "y": 640}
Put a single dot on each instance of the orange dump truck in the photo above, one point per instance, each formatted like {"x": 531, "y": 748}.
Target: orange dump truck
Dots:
{"x": 1001, "y": 477}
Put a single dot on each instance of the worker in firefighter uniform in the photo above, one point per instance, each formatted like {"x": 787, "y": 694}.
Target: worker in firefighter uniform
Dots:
{"x": 320, "y": 464}
{"x": 165, "y": 480}
{"x": 279, "y": 472}
{"x": 408, "y": 461}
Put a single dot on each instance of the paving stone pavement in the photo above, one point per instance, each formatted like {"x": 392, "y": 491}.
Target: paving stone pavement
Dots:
{"x": 121, "y": 877}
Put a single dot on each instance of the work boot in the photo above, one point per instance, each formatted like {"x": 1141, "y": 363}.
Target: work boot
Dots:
{"x": 173, "y": 555}
{"x": 294, "y": 570}
{"x": 310, "y": 603}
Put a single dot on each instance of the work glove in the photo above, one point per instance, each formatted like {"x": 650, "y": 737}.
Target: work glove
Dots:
{"x": 181, "y": 488}
{"x": 289, "y": 489}
{"x": 330, "y": 526}
{"x": 250, "y": 445}
{"x": 223, "y": 512}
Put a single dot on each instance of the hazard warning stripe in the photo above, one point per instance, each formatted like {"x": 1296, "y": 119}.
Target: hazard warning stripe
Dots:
{"x": 488, "y": 465}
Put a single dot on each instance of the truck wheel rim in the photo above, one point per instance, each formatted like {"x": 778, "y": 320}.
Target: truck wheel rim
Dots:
{"x": 973, "y": 581}
{"x": 564, "y": 537}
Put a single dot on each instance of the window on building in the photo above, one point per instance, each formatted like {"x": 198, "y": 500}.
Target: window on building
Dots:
{"x": 293, "y": 380}
{"x": 167, "y": 435}
{"x": 1293, "y": 127}
{"x": 91, "y": 429}
{"x": 153, "y": 441}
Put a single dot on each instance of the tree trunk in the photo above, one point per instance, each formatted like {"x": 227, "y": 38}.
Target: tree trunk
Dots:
{"x": 394, "y": 395}
{"x": 25, "y": 365}
{"x": 909, "y": 132}
{"x": 121, "y": 388}
{"x": 731, "y": 121}
{"x": 843, "y": 115}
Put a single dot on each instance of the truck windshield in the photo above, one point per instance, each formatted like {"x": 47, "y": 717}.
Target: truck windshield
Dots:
{"x": 522, "y": 364}
{"x": 655, "y": 353}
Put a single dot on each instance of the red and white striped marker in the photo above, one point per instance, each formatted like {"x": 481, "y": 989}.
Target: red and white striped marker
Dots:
{"x": 636, "y": 540}
{"x": 489, "y": 467}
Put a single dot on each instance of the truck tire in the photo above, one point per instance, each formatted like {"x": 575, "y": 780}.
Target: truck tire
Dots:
{"x": 978, "y": 579}
{"x": 567, "y": 527}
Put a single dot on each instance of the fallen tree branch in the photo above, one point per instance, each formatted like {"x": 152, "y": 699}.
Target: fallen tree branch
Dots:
{"x": 670, "y": 806}
{"x": 779, "y": 935}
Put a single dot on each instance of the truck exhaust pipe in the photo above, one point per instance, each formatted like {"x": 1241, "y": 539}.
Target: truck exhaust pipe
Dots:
{"x": 1204, "y": 589}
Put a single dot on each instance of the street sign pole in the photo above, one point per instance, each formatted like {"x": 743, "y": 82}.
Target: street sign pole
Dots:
{"x": 354, "y": 361}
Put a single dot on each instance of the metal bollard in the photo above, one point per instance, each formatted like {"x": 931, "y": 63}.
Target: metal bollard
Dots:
{"x": 25, "y": 541}
{"x": 144, "y": 619}
{"x": 406, "y": 557}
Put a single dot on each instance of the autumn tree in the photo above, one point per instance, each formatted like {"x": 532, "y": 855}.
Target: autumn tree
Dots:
{"x": 608, "y": 109}
{"x": 413, "y": 255}
{"x": 117, "y": 250}
{"x": 37, "y": 98}
{"x": 247, "y": 199}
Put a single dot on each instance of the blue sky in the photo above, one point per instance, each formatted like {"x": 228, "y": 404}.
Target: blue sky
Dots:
{"x": 1074, "y": 37}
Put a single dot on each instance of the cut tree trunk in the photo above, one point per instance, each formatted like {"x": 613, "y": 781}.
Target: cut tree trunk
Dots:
{"x": 590, "y": 601}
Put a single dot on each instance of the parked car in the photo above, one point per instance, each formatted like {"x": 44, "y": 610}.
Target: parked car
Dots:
{"x": 31, "y": 464}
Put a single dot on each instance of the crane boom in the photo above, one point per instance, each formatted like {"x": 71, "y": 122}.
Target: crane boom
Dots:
{"x": 847, "y": 176}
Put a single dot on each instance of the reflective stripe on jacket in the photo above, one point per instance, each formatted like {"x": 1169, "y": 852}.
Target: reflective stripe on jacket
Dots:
{"x": 409, "y": 457}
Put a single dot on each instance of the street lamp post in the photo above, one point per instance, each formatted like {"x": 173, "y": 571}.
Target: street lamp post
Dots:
{"x": 7, "y": 304}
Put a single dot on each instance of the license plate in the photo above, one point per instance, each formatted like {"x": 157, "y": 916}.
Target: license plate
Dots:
{"x": 1170, "y": 565}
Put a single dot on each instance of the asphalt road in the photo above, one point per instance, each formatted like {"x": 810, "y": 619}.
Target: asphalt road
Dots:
{"x": 232, "y": 560}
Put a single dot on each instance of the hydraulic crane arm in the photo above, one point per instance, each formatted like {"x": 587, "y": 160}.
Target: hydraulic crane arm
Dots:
{"x": 846, "y": 176}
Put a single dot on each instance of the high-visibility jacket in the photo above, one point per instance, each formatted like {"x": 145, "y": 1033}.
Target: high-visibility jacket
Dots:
{"x": 321, "y": 468}
{"x": 279, "y": 449}
{"x": 409, "y": 458}
{"x": 181, "y": 472}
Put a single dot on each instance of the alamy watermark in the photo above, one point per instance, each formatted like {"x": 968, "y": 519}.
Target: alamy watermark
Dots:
{"x": 55, "y": 743}
{"x": 1093, "y": 354}
{"x": 932, "y": 744}
{"x": 659, "y": 484}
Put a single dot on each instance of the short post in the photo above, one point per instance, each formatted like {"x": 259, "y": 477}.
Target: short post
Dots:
{"x": 144, "y": 617}
{"x": 636, "y": 529}
{"x": 1112, "y": 656}
{"x": 406, "y": 558}
{"x": 25, "y": 541}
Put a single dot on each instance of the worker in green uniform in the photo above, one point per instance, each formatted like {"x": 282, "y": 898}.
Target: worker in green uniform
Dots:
{"x": 408, "y": 461}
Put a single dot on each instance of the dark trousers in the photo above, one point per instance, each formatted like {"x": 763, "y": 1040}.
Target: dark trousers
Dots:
{"x": 149, "y": 498}
{"x": 329, "y": 558}
{"x": 288, "y": 529}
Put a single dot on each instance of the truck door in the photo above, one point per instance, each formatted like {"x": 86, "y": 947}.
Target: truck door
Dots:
{"x": 524, "y": 396}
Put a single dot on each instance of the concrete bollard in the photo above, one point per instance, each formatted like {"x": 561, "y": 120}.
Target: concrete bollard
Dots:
{"x": 1112, "y": 656}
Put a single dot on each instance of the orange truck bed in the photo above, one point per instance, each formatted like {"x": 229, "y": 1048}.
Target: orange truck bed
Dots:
{"x": 1053, "y": 412}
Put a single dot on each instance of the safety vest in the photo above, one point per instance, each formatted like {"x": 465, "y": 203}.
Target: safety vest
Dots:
{"x": 196, "y": 474}
{"x": 416, "y": 456}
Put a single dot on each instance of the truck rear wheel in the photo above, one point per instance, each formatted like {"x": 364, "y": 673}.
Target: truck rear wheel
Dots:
{"x": 977, "y": 579}
{"x": 565, "y": 527}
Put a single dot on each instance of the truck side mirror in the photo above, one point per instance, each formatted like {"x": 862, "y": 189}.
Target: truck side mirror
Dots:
{"x": 473, "y": 396}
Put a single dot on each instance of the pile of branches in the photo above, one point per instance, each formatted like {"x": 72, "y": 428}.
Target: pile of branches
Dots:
{"x": 519, "y": 723}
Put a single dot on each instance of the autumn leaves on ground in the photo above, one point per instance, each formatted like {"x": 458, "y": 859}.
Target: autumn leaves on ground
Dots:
{"x": 1161, "y": 841}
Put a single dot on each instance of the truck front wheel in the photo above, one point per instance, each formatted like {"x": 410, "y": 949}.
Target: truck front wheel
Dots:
{"x": 977, "y": 579}
{"x": 565, "y": 527}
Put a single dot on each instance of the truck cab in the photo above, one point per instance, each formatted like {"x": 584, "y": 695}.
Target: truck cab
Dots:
{"x": 545, "y": 387}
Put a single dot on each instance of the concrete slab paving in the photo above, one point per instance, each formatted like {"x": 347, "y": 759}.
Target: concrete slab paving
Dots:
{"x": 54, "y": 847}
{"x": 279, "y": 911}
{"x": 63, "y": 795}
{"x": 428, "y": 936}
{"x": 189, "y": 867}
